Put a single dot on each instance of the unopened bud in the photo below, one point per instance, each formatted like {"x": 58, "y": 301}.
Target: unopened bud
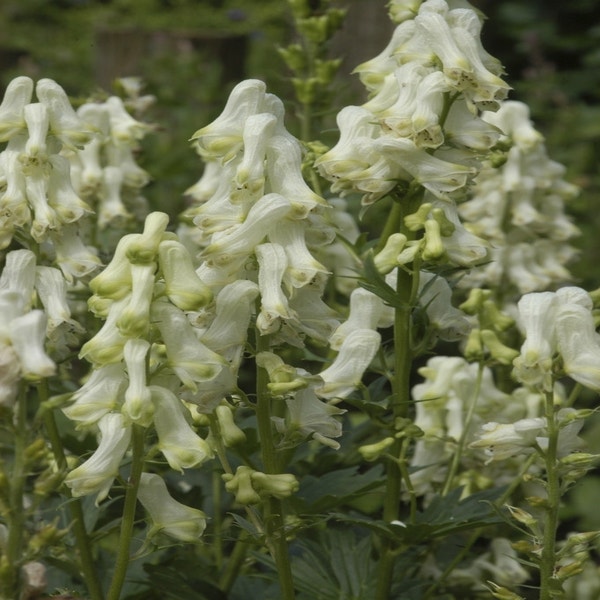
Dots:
{"x": 499, "y": 351}
{"x": 372, "y": 452}
{"x": 416, "y": 220}
{"x": 231, "y": 434}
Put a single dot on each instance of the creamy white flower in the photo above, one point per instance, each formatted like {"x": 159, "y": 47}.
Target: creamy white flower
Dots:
{"x": 73, "y": 257}
{"x": 222, "y": 139}
{"x": 101, "y": 393}
{"x": 107, "y": 345}
{"x": 284, "y": 170}
{"x": 17, "y": 95}
{"x": 238, "y": 242}
{"x": 18, "y": 275}
{"x": 578, "y": 343}
{"x": 27, "y": 334}
{"x": 182, "y": 285}
{"x": 229, "y": 328}
{"x": 134, "y": 319}
{"x": 96, "y": 475}
{"x": 504, "y": 440}
{"x": 272, "y": 262}
{"x": 537, "y": 315}
{"x": 137, "y": 407}
{"x": 309, "y": 417}
{"x": 180, "y": 444}
{"x": 343, "y": 376}
{"x": 37, "y": 121}
{"x": 144, "y": 247}
{"x": 168, "y": 516}
{"x": 191, "y": 360}
{"x": 111, "y": 210}
{"x": 250, "y": 172}
{"x": 64, "y": 122}
{"x": 302, "y": 266}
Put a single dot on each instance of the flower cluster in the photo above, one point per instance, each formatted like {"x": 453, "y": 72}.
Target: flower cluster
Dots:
{"x": 421, "y": 124}
{"x": 518, "y": 206}
{"x": 145, "y": 352}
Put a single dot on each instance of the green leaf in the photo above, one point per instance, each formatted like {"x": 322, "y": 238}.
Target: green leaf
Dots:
{"x": 335, "y": 488}
{"x": 374, "y": 282}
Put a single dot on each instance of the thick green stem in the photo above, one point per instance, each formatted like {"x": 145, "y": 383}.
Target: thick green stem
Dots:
{"x": 82, "y": 540}
{"x": 127, "y": 522}
{"x": 273, "y": 507}
{"x": 11, "y": 563}
{"x": 548, "y": 584}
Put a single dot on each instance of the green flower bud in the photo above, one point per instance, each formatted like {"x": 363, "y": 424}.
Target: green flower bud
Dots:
{"x": 472, "y": 305}
{"x": 306, "y": 89}
{"x": 280, "y": 485}
{"x": 491, "y": 317}
{"x": 499, "y": 351}
{"x": 387, "y": 259}
{"x": 416, "y": 220}
{"x": 473, "y": 350}
{"x": 372, "y": 452}
{"x": 231, "y": 434}
{"x": 294, "y": 57}
{"x": 447, "y": 227}
{"x": 144, "y": 248}
{"x": 434, "y": 247}
{"x": 240, "y": 484}
{"x": 502, "y": 593}
{"x": 325, "y": 70}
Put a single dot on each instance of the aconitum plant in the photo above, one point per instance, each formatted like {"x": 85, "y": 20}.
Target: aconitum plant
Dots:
{"x": 262, "y": 398}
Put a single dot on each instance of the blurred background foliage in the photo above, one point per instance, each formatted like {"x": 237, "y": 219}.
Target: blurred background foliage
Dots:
{"x": 190, "y": 53}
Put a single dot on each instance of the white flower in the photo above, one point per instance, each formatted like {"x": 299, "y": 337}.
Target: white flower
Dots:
{"x": 74, "y": 259}
{"x": 95, "y": 475}
{"x": 191, "y": 360}
{"x": 302, "y": 265}
{"x": 343, "y": 376}
{"x": 27, "y": 334}
{"x": 182, "y": 285}
{"x": 64, "y": 122}
{"x": 228, "y": 330}
{"x": 272, "y": 262}
{"x": 223, "y": 138}
{"x": 578, "y": 343}
{"x": 239, "y": 242}
{"x": 309, "y": 417}
{"x": 537, "y": 314}
{"x": 138, "y": 406}
{"x": 504, "y": 440}
{"x": 178, "y": 442}
{"x": 134, "y": 319}
{"x": 17, "y": 95}
{"x": 169, "y": 516}
{"x": 101, "y": 393}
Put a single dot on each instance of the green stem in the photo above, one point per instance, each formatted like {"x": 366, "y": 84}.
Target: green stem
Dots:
{"x": 456, "y": 458}
{"x": 16, "y": 515}
{"x": 399, "y": 405}
{"x": 236, "y": 558}
{"x": 82, "y": 540}
{"x": 548, "y": 585}
{"x": 273, "y": 507}
{"x": 127, "y": 522}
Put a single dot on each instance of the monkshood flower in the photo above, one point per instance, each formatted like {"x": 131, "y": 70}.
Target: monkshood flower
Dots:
{"x": 22, "y": 330}
{"x": 96, "y": 475}
{"x": 309, "y": 417}
{"x": 168, "y": 516}
{"x": 504, "y": 440}
{"x": 558, "y": 324}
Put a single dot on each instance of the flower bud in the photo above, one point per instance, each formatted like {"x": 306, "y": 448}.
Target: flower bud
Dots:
{"x": 372, "y": 452}
{"x": 144, "y": 248}
{"x": 387, "y": 259}
{"x": 240, "y": 484}
{"x": 499, "y": 351}
{"x": 281, "y": 485}
{"x": 230, "y": 433}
